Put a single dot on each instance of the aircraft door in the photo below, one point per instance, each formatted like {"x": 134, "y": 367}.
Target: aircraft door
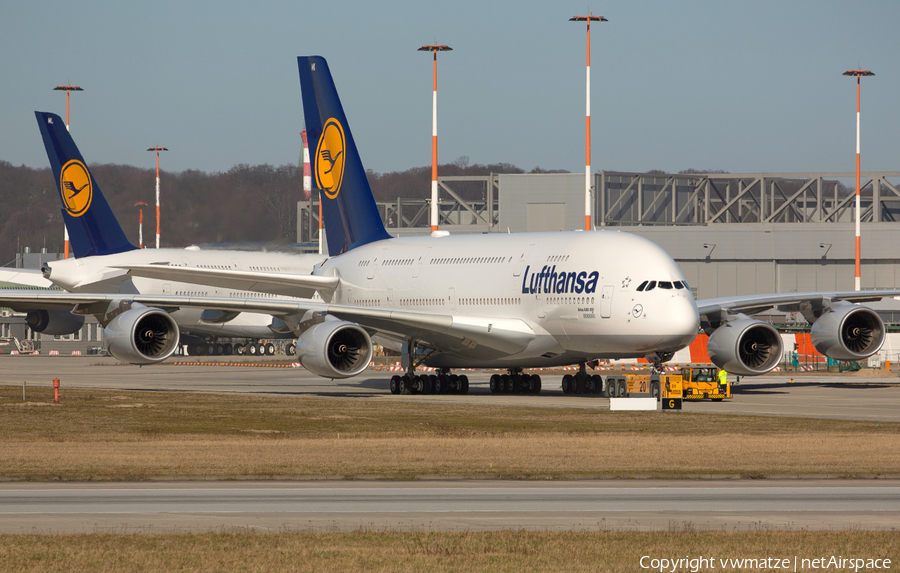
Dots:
{"x": 452, "y": 299}
{"x": 606, "y": 301}
{"x": 420, "y": 262}
{"x": 375, "y": 262}
{"x": 520, "y": 264}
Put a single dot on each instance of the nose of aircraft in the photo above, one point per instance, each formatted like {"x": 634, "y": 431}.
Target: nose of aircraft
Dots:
{"x": 683, "y": 321}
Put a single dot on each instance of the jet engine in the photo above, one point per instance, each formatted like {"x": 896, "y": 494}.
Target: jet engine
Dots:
{"x": 848, "y": 332}
{"x": 335, "y": 349}
{"x": 745, "y": 346}
{"x": 55, "y": 322}
{"x": 142, "y": 335}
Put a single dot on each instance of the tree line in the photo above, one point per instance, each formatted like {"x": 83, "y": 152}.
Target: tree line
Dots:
{"x": 246, "y": 204}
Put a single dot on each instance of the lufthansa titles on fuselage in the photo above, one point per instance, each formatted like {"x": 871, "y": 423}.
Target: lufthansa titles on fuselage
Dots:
{"x": 549, "y": 281}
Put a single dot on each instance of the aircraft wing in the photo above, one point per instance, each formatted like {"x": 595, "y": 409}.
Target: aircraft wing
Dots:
{"x": 786, "y": 302}
{"x": 301, "y": 286}
{"x": 27, "y": 277}
{"x": 492, "y": 334}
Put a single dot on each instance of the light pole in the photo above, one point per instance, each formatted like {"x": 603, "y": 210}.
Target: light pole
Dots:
{"x": 858, "y": 74}
{"x": 68, "y": 89}
{"x": 307, "y": 187}
{"x": 434, "y": 49}
{"x": 141, "y": 205}
{"x": 157, "y": 149}
{"x": 587, "y": 138}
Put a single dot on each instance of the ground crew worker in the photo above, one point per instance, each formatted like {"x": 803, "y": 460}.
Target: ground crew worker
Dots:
{"x": 723, "y": 381}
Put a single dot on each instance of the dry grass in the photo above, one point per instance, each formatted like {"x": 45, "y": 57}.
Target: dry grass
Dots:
{"x": 144, "y": 435}
{"x": 426, "y": 551}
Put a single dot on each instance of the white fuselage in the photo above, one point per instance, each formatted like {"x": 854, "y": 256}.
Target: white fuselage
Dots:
{"x": 99, "y": 274}
{"x": 577, "y": 291}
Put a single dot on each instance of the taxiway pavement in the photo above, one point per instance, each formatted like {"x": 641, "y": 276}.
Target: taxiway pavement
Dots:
{"x": 447, "y": 506}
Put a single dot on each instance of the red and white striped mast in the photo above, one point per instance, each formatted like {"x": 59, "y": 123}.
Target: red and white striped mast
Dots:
{"x": 307, "y": 185}
{"x": 587, "y": 139}
{"x": 434, "y": 49}
{"x": 68, "y": 90}
{"x": 157, "y": 149}
{"x": 140, "y": 205}
{"x": 858, "y": 74}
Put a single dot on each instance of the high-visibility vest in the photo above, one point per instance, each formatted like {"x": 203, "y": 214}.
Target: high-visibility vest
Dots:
{"x": 723, "y": 377}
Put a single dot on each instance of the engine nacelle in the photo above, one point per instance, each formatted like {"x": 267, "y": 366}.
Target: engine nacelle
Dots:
{"x": 745, "y": 346}
{"x": 335, "y": 349}
{"x": 55, "y": 322}
{"x": 848, "y": 332}
{"x": 142, "y": 335}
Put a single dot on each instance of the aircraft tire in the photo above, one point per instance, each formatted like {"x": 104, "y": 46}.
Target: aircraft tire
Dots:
{"x": 463, "y": 384}
{"x": 516, "y": 383}
{"x": 220, "y": 349}
{"x": 598, "y": 383}
{"x": 405, "y": 383}
{"x": 252, "y": 350}
{"x": 495, "y": 383}
{"x": 535, "y": 384}
{"x": 446, "y": 386}
{"x": 229, "y": 349}
{"x": 291, "y": 349}
{"x": 239, "y": 349}
{"x": 567, "y": 384}
{"x": 505, "y": 384}
{"x": 269, "y": 349}
{"x": 577, "y": 384}
{"x": 437, "y": 386}
{"x": 395, "y": 384}
{"x": 426, "y": 385}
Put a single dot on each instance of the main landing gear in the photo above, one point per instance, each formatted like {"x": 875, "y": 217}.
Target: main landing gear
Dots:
{"x": 441, "y": 383}
{"x": 515, "y": 383}
{"x": 584, "y": 383}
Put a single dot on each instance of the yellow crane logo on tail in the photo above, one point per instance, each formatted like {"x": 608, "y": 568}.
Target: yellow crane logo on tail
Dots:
{"x": 330, "y": 158}
{"x": 75, "y": 187}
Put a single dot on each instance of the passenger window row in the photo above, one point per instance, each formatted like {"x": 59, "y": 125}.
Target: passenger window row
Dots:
{"x": 667, "y": 285}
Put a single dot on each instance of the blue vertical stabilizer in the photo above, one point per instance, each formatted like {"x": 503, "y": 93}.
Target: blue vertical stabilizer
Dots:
{"x": 93, "y": 229}
{"x": 351, "y": 217}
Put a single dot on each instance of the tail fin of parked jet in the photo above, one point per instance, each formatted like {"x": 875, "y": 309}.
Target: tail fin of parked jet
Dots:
{"x": 93, "y": 229}
{"x": 348, "y": 207}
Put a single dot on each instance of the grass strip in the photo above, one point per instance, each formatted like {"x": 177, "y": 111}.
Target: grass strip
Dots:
{"x": 95, "y": 434}
{"x": 499, "y": 551}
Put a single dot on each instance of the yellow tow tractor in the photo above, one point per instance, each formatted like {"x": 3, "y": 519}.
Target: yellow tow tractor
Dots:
{"x": 702, "y": 383}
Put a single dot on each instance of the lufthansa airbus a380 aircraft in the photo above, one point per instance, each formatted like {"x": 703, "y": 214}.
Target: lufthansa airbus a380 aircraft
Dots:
{"x": 100, "y": 248}
{"x": 512, "y": 301}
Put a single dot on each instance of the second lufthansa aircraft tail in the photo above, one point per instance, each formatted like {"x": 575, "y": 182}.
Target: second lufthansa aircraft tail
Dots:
{"x": 348, "y": 207}
{"x": 93, "y": 228}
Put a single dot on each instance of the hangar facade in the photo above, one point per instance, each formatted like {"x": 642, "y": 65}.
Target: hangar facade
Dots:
{"x": 732, "y": 234}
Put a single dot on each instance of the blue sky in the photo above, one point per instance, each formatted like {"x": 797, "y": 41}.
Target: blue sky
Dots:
{"x": 740, "y": 86}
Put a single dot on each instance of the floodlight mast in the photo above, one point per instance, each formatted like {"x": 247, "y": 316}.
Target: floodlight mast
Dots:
{"x": 140, "y": 205}
{"x": 587, "y": 141}
{"x": 307, "y": 187}
{"x": 157, "y": 149}
{"x": 434, "y": 49}
{"x": 858, "y": 74}
{"x": 68, "y": 89}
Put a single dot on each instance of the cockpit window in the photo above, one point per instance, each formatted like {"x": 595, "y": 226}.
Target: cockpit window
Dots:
{"x": 679, "y": 285}
{"x": 665, "y": 284}
{"x": 642, "y": 285}
{"x": 651, "y": 286}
